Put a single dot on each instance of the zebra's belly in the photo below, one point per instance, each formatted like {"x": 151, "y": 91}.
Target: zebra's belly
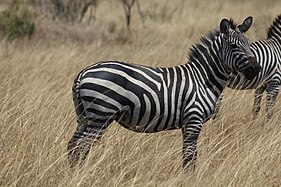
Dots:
{"x": 144, "y": 129}
{"x": 151, "y": 126}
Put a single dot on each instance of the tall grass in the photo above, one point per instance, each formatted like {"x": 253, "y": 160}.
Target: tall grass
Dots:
{"x": 37, "y": 117}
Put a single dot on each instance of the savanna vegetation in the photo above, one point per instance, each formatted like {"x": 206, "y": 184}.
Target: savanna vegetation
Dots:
{"x": 41, "y": 51}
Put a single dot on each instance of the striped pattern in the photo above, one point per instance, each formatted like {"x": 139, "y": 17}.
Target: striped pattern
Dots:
{"x": 148, "y": 99}
{"x": 268, "y": 55}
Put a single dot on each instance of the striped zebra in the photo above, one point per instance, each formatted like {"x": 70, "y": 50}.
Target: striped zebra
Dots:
{"x": 149, "y": 99}
{"x": 268, "y": 54}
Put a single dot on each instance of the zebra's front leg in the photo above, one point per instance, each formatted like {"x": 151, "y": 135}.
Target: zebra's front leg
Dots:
{"x": 257, "y": 100}
{"x": 190, "y": 132}
{"x": 83, "y": 139}
{"x": 272, "y": 93}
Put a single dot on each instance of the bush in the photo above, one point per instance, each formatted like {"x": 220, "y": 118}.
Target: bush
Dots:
{"x": 16, "y": 23}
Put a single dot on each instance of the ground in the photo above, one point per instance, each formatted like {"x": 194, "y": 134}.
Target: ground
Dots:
{"x": 37, "y": 117}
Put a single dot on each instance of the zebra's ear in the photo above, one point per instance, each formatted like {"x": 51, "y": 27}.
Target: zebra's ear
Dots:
{"x": 244, "y": 27}
{"x": 224, "y": 26}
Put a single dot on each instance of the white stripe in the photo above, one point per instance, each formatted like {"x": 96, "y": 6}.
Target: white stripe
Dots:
{"x": 100, "y": 108}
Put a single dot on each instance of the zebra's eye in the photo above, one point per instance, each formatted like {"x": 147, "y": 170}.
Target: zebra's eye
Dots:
{"x": 233, "y": 45}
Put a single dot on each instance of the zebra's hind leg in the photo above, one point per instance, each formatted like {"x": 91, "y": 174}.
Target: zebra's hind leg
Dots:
{"x": 272, "y": 93}
{"x": 257, "y": 100}
{"x": 190, "y": 133}
{"x": 87, "y": 133}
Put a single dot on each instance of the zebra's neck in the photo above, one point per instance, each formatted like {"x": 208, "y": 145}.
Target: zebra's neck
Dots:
{"x": 205, "y": 62}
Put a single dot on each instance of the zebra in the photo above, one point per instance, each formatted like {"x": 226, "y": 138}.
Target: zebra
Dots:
{"x": 152, "y": 99}
{"x": 268, "y": 54}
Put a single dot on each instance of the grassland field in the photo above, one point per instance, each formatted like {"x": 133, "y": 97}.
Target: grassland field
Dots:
{"x": 37, "y": 116}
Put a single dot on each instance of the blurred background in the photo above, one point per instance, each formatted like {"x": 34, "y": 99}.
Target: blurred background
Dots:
{"x": 45, "y": 43}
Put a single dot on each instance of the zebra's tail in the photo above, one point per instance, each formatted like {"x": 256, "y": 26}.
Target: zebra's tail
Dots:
{"x": 79, "y": 108}
{"x": 275, "y": 29}
{"x": 74, "y": 151}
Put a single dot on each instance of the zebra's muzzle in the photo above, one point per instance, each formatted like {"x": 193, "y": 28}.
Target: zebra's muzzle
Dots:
{"x": 252, "y": 69}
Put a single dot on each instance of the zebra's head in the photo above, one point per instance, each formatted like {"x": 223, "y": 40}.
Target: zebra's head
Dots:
{"x": 236, "y": 48}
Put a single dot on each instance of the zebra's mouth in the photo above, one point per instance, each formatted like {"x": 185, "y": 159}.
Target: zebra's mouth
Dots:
{"x": 252, "y": 69}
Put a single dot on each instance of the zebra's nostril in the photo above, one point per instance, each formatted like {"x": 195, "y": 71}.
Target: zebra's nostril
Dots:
{"x": 252, "y": 70}
{"x": 252, "y": 59}
{"x": 254, "y": 64}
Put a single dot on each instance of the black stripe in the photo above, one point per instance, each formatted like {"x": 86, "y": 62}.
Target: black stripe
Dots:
{"x": 99, "y": 102}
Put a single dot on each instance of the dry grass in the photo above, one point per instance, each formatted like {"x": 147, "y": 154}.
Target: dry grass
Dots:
{"x": 37, "y": 117}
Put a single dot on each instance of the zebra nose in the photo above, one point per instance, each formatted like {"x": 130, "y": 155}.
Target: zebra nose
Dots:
{"x": 253, "y": 68}
{"x": 254, "y": 64}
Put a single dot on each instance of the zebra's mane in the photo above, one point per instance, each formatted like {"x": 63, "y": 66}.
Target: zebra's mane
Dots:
{"x": 275, "y": 28}
{"x": 195, "y": 54}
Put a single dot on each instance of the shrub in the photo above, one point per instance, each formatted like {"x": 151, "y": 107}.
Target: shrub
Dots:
{"x": 15, "y": 22}
{"x": 66, "y": 10}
